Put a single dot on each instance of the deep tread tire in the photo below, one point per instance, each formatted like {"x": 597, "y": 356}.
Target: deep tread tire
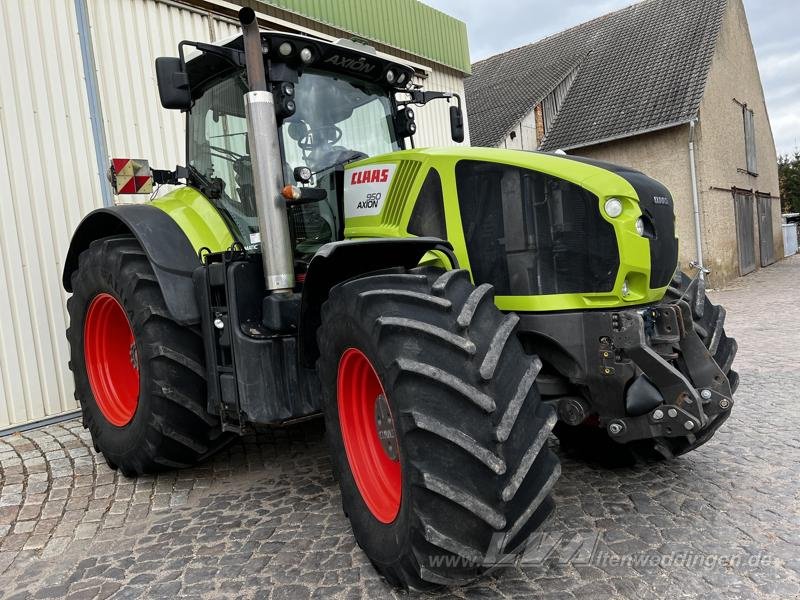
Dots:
{"x": 171, "y": 427}
{"x": 472, "y": 431}
{"x": 595, "y": 445}
{"x": 709, "y": 323}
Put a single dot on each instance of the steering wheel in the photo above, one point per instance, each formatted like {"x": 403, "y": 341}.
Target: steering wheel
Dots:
{"x": 326, "y": 135}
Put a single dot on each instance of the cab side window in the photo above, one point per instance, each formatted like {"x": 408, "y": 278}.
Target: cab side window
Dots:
{"x": 427, "y": 218}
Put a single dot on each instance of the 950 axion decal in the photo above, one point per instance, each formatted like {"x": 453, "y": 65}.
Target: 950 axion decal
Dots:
{"x": 365, "y": 189}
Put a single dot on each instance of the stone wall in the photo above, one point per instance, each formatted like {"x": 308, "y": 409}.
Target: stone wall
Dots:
{"x": 733, "y": 81}
{"x": 664, "y": 156}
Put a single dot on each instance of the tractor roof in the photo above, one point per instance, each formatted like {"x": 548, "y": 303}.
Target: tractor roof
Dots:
{"x": 343, "y": 56}
{"x": 635, "y": 70}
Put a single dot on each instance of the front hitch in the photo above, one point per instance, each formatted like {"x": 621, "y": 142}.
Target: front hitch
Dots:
{"x": 696, "y": 394}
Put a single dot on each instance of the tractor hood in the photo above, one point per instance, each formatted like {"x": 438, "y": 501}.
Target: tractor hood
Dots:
{"x": 538, "y": 226}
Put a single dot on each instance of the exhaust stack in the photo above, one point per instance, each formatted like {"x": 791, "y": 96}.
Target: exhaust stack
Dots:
{"x": 262, "y": 135}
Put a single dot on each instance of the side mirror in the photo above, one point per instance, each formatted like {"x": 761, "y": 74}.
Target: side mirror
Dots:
{"x": 173, "y": 83}
{"x": 456, "y": 124}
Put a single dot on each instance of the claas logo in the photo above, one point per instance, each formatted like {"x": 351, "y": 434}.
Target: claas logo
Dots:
{"x": 370, "y": 176}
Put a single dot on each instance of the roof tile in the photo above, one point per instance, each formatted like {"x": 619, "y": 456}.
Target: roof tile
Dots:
{"x": 640, "y": 68}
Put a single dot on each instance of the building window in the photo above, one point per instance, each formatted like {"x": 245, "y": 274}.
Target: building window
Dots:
{"x": 750, "y": 140}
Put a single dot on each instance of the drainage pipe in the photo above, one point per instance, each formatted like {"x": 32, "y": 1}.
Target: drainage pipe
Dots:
{"x": 698, "y": 238}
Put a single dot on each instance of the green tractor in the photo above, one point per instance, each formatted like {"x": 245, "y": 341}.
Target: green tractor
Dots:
{"x": 444, "y": 309}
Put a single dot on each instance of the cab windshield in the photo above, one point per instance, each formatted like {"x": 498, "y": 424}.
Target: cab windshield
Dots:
{"x": 337, "y": 120}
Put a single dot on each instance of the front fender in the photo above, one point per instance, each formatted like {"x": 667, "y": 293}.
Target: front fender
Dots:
{"x": 169, "y": 250}
{"x": 339, "y": 261}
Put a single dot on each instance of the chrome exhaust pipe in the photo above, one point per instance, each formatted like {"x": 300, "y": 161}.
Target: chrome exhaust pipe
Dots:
{"x": 262, "y": 135}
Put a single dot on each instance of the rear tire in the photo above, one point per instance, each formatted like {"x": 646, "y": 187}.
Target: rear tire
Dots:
{"x": 472, "y": 471}
{"x": 595, "y": 445}
{"x": 148, "y": 415}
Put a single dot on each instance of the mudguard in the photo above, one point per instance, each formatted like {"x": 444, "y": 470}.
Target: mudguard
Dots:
{"x": 339, "y": 261}
{"x": 167, "y": 247}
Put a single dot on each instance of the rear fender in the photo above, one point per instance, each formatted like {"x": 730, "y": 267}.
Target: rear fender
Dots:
{"x": 339, "y": 261}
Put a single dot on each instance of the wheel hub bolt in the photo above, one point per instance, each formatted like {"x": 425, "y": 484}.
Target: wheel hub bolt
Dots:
{"x": 672, "y": 413}
{"x": 724, "y": 404}
{"x": 658, "y": 414}
{"x": 689, "y": 425}
{"x": 705, "y": 394}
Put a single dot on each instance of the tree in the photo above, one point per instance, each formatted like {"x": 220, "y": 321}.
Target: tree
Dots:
{"x": 789, "y": 177}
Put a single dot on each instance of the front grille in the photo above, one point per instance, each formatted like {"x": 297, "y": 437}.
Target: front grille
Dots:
{"x": 399, "y": 192}
{"x": 658, "y": 207}
{"x": 529, "y": 233}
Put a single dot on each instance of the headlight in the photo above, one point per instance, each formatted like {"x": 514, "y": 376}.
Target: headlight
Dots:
{"x": 302, "y": 174}
{"x": 390, "y": 76}
{"x": 640, "y": 226}
{"x": 625, "y": 288}
{"x": 613, "y": 207}
{"x": 285, "y": 49}
{"x": 306, "y": 55}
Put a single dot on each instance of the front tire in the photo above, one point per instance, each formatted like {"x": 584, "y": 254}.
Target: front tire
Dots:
{"x": 437, "y": 431}
{"x": 139, "y": 375}
{"x": 709, "y": 322}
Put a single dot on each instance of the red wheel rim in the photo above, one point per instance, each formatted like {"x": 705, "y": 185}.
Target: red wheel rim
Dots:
{"x": 376, "y": 473}
{"x": 109, "y": 349}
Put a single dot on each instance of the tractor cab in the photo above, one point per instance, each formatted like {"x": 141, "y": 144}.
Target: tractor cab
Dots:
{"x": 335, "y": 103}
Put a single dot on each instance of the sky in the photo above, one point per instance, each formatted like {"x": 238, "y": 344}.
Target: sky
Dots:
{"x": 499, "y": 25}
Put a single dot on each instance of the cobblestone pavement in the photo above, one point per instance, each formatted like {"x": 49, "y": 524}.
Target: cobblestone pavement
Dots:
{"x": 263, "y": 519}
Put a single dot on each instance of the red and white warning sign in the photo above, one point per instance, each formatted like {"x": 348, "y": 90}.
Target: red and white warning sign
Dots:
{"x": 365, "y": 189}
{"x": 131, "y": 176}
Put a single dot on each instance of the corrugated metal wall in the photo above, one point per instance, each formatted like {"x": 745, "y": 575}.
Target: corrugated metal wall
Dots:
{"x": 128, "y": 35}
{"x": 47, "y": 183}
{"x": 48, "y": 178}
